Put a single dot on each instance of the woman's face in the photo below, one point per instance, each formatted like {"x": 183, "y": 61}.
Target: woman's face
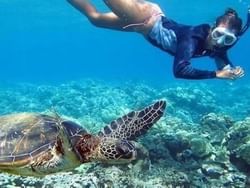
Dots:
{"x": 221, "y": 36}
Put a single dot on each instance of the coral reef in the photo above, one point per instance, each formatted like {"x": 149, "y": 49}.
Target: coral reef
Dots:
{"x": 200, "y": 142}
{"x": 238, "y": 144}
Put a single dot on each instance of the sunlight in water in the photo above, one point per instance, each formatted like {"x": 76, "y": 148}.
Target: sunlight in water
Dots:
{"x": 245, "y": 3}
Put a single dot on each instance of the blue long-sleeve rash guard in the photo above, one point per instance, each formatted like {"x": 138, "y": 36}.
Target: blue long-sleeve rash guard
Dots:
{"x": 185, "y": 42}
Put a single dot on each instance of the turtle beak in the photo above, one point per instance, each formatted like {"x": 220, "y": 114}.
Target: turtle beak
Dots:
{"x": 140, "y": 151}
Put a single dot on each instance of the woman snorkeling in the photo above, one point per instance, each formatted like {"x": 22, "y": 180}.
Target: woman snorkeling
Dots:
{"x": 184, "y": 42}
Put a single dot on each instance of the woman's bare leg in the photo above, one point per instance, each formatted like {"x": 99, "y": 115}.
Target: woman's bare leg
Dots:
{"x": 133, "y": 10}
{"x": 124, "y": 12}
{"x": 106, "y": 20}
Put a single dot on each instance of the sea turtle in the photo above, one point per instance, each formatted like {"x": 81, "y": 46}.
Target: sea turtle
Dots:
{"x": 33, "y": 144}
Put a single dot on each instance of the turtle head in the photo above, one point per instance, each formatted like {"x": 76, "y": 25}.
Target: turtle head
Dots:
{"x": 107, "y": 150}
{"x": 116, "y": 151}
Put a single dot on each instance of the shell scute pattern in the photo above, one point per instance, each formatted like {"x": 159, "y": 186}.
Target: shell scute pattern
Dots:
{"x": 24, "y": 136}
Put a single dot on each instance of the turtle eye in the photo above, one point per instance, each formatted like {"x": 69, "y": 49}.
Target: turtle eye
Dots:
{"x": 125, "y": 149}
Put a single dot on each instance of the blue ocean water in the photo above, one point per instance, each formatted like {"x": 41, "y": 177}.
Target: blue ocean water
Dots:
{"x": 49, "y": 41}
{"x": 53, "y": 58}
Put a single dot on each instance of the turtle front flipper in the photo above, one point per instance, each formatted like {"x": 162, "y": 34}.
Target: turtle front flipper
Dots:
{"x": 135, "y": 123}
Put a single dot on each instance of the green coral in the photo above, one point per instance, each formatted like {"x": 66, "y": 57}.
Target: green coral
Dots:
{"x": 200, "y": 147}
{"x": 238, "y": 140}
{"x": 244, "y": 152}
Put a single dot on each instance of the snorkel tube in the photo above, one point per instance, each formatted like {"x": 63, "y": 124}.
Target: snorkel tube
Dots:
{"x": 244, "y": 29}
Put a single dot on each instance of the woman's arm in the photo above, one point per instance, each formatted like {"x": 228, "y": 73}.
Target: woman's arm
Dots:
{"x": 221, "y": 60}
{"x": 182, "y": 67}
{"x": 225, "y": 67}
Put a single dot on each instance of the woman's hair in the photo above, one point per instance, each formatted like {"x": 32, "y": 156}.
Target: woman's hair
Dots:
{"x": 231, "y": 19}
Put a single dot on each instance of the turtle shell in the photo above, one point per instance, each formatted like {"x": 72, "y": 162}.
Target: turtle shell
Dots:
{"x": 24, "y": 136}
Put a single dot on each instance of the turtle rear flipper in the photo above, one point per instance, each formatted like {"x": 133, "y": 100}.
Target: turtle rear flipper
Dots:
{"x": 135, "y": 123}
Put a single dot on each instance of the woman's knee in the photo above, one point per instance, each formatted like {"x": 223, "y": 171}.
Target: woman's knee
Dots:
{"x": 96, "y": 19}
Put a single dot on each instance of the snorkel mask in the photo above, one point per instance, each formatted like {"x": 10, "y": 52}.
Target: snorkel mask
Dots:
{"x": 225, "y": 37}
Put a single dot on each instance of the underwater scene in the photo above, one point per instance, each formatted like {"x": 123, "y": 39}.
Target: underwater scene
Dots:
{"x": 119, "y": 90}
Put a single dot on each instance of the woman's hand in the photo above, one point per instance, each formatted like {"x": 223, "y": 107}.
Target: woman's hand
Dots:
{"x": 232, "y": 73}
